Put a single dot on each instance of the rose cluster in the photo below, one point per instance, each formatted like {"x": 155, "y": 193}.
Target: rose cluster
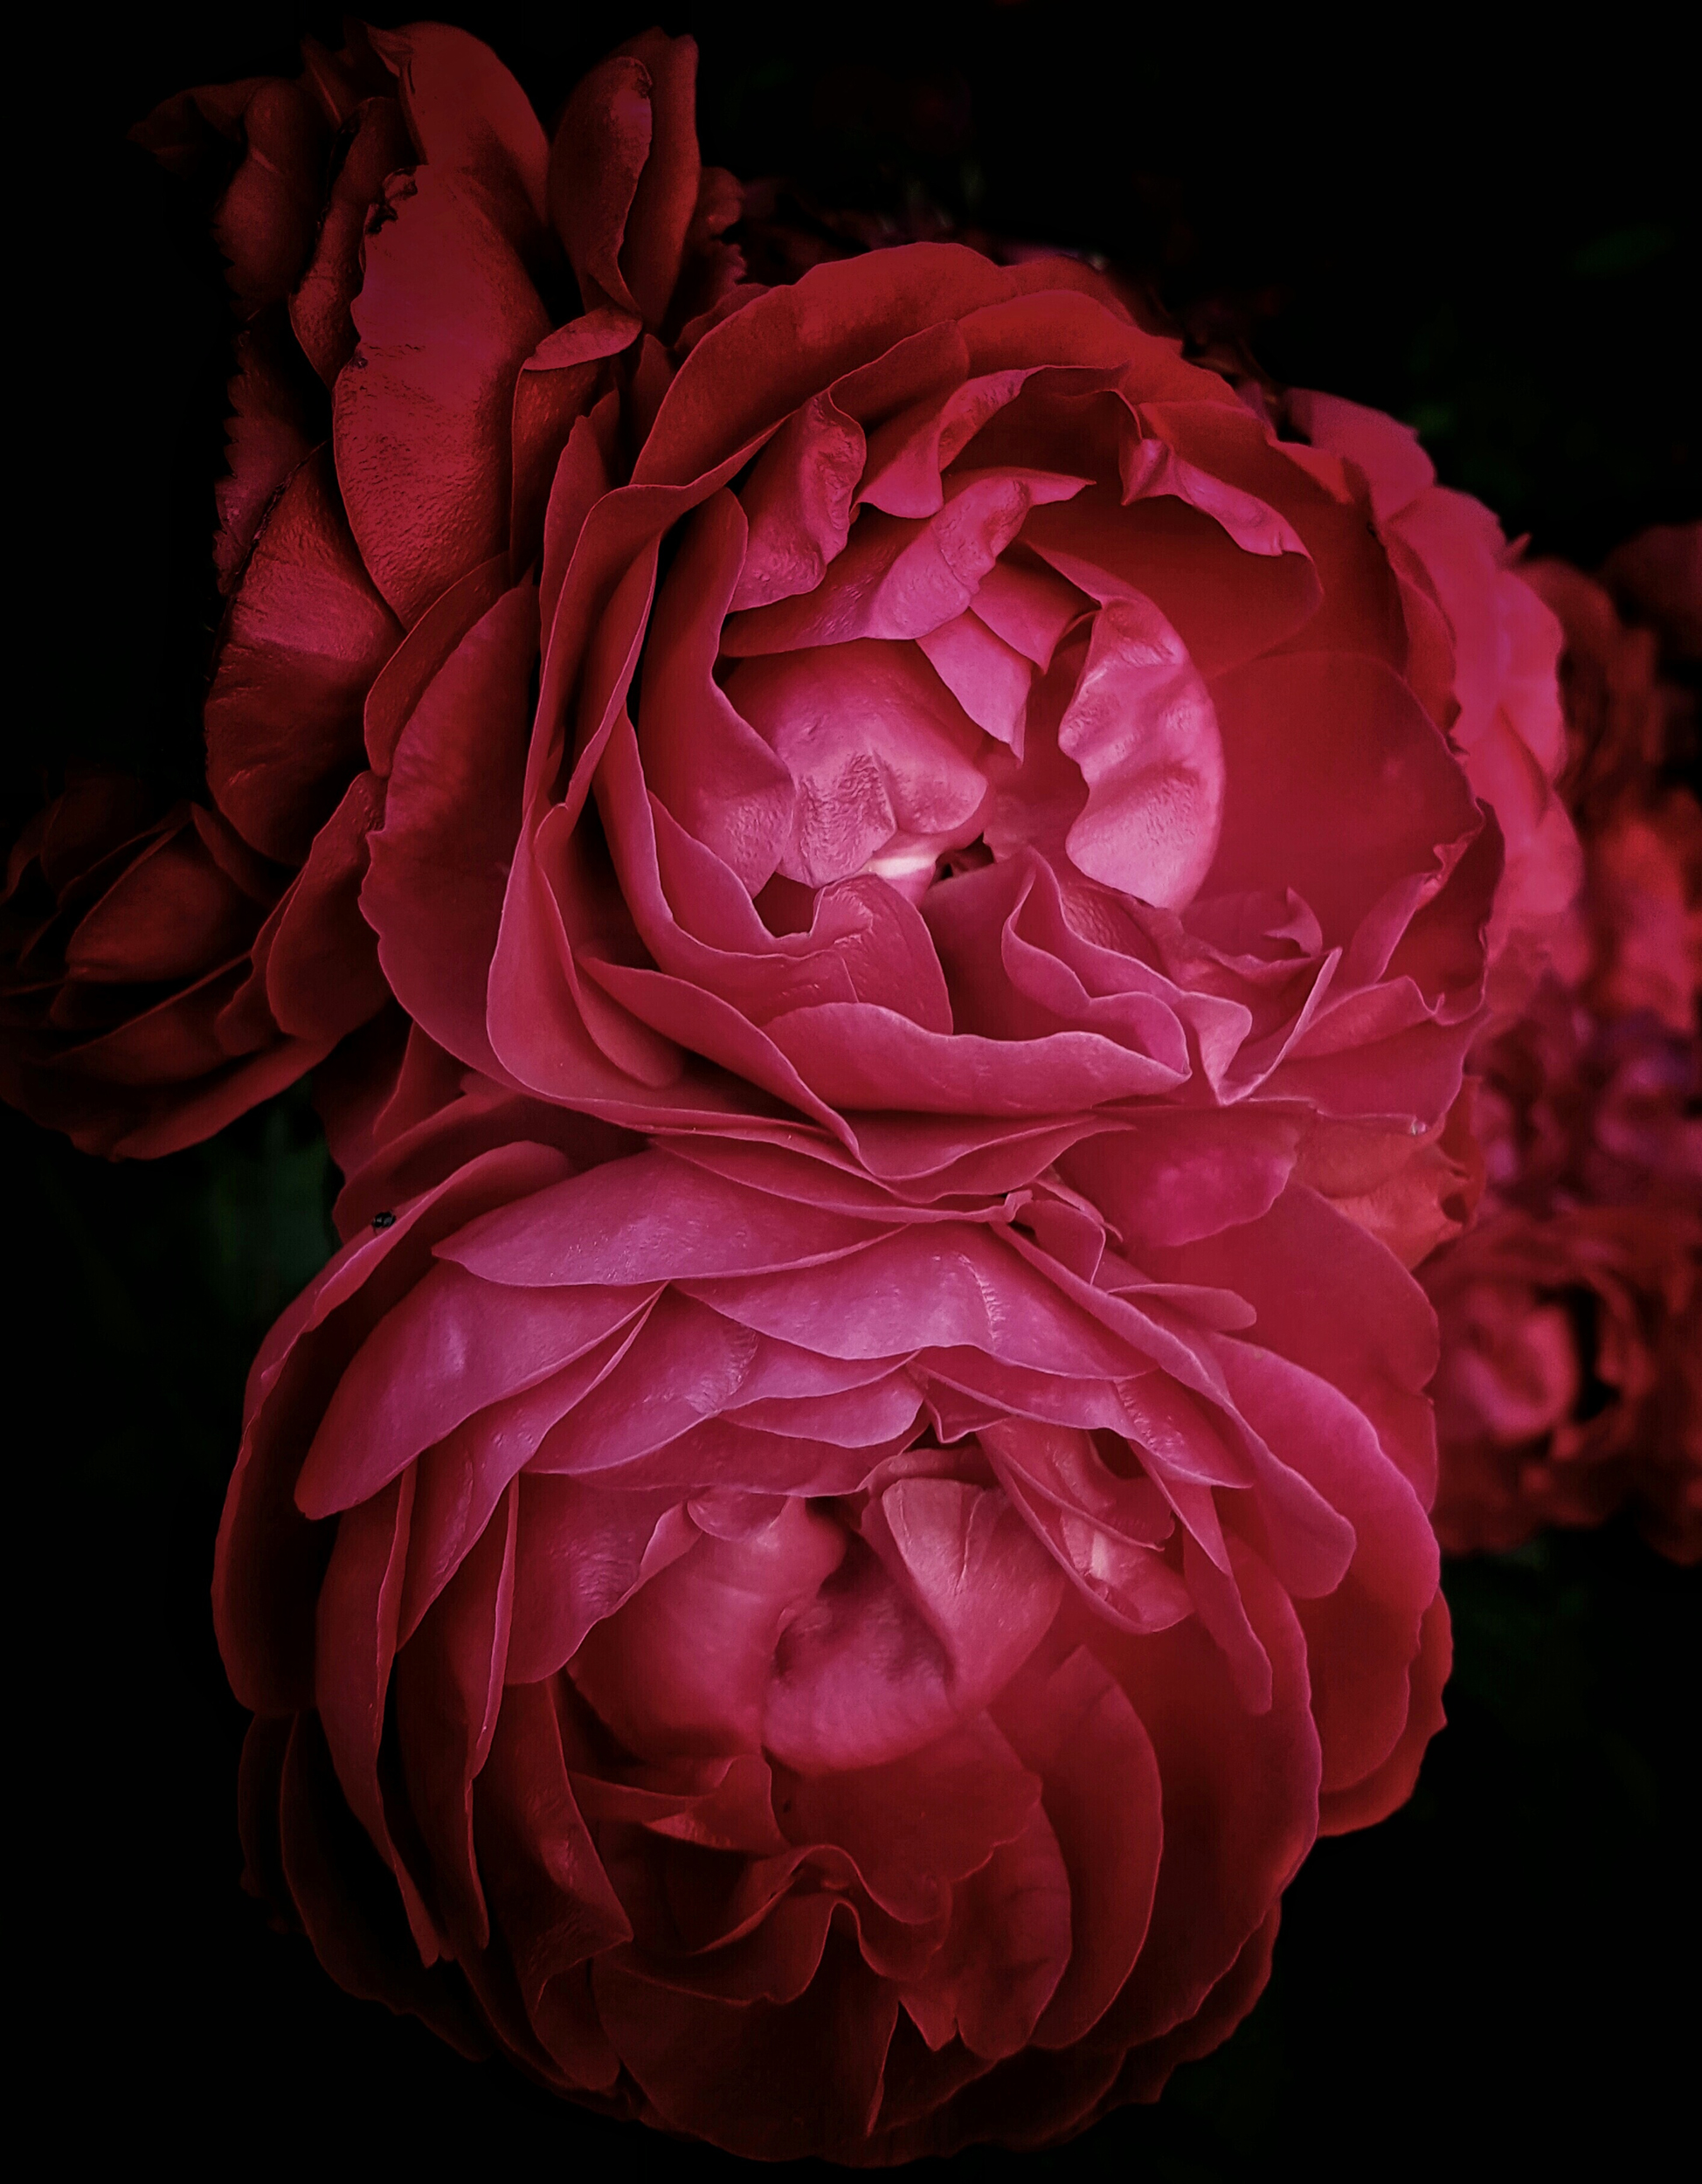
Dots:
{"x": 889, "y": 886}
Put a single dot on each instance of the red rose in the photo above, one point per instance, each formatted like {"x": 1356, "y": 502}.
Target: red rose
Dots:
{"x": 825, "y": 1673}
{"x": 401, "y": 396}
{"x": 968, "y": 708}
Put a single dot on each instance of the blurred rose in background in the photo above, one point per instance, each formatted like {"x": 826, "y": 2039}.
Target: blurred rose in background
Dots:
{"x": 1572, "y": 1313}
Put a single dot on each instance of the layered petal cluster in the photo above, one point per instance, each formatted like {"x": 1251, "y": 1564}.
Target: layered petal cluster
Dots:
{"x": 826, "y": 1672}
{"x": 158, "y": 977}
{"x": 1572, "y": 1314}
{"x": 402, "y": 248}
{"x": 967, "y": 708}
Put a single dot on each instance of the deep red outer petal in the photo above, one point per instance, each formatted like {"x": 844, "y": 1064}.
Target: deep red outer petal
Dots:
{"x": 1363, "y": 1803}
{"x": 448, "y": 314}
{"x": 306, "y": 634}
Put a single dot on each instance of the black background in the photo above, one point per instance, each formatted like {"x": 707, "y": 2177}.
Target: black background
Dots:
{"x": 1494, "y": 242}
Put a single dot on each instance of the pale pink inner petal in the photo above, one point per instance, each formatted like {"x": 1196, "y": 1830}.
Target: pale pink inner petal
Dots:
{"x": 798, "y": 501}
{"x": 1029, "y": 607}
{"x": 1036, "y": 799}
{"x": 899, "y": 577}
{"x": 990, "y": 679}
{"x": 1151, "y": 469}
{"x": 910, "y": 451}
{"x": 1142, "y": 728}
{"x": 876, "y": 745}
{"x": 712, "y": 772}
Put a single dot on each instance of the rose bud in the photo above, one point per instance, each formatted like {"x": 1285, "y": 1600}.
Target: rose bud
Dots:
{"x": 411, "y": 359}
{"x": 818, "y": 1672}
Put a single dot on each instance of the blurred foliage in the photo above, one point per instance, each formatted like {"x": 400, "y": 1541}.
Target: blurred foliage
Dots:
{"x": 169, "y": 1273}
{"x": 1504, "y": 251}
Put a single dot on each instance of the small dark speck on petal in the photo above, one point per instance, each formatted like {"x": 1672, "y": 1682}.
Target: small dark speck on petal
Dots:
{"x": 383, "y": 1220}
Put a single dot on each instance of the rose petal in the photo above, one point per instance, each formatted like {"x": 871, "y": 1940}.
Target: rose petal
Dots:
{"x": 434, "y": 891}
{"x": 306, "y": 634}
{"x": 1141, "y": 727}
{"x": 446, "y": 316}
